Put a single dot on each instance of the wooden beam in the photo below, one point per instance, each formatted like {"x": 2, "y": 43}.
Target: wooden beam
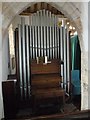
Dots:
{"x": 40, "y": 6}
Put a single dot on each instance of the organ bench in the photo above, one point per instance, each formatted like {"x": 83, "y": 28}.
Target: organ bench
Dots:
{"x": 45, "y": 82}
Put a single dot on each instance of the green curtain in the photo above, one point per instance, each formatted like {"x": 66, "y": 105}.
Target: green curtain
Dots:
{"x": 75, "y": 53}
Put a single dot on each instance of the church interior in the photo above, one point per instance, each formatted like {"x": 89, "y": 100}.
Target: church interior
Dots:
{"x": 45, "y": 68}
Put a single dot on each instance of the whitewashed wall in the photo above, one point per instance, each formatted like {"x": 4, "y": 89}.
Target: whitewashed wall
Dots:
{"x": 1, "y": 100}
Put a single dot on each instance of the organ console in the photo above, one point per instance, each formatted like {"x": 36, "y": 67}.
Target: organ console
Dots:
{"x": 46, "y": 81}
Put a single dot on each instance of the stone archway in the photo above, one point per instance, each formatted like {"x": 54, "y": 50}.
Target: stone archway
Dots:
{"x": 10, "y": 10}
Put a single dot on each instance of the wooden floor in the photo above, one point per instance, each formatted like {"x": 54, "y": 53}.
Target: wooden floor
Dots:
{"x": 81, "y": 115}
{"x": 49, "y": 111}
{"x": 46, "y": 112}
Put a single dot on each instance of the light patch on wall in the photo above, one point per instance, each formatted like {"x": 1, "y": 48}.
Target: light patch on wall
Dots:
{"x": 11, "y": 49}
{"x": 84, "y": 19}
{"x": 11, "y": 40}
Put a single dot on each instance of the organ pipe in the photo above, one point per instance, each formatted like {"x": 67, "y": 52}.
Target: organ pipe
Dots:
{"x": 42, "y": 38}
{"x": 20, "y": 62}
{"x": 65, "y": 55}
{"x": 28, "y": 60}
{"x": 24, "y": 59}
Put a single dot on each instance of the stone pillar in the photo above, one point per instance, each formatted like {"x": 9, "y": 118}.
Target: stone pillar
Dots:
{"x": 84, "y": 58}
{"x": 84, "y": 80}
{"x": 89, "y": 54}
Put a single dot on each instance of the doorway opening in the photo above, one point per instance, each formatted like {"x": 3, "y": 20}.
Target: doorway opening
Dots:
{"x": 47, "y": 49}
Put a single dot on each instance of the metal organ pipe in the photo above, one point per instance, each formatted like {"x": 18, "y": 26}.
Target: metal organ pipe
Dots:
{"x": 65, "y": 57}
{"x": 40, "y": 32}
{"x": 28, "y": 60}
{"x": 20, "y": 62}
{"x": 62, "y": 57}
{"x": 50, "y": 40}
{"x": 47, "y": 37}
{"x": 24, "y": 60}
{"x": 53, "y": 31}
{"x": 36, "y": 40}
{"x": 68, "y": 63}
{"x": 55, "y": 41}
{"x": 44, "y": 38}
{"x": 30, "y": 41}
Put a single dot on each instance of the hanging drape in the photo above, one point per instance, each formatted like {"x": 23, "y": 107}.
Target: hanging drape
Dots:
{"x": 75, "y": 53}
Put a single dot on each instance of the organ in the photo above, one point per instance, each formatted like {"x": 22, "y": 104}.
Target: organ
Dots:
{"x": 46, "y": 82}
{"x": 39, "y": 39}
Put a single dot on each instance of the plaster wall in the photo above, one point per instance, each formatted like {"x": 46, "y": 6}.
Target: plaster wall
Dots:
{"x": 1, "y": 100}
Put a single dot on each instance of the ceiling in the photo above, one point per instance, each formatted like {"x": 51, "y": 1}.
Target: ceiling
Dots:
{"x": 40, "y": 6}
{"x": 71, "y": 10}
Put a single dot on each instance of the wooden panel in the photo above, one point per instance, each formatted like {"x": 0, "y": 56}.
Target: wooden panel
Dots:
{"x": 47, "y": 93}
{"x": 46, "y": 81}
{"x": 9, "y": 98}
{"x": 52, "y": 67}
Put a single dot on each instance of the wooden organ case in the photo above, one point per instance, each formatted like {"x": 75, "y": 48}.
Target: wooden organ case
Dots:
{"x": 45, "y": 83}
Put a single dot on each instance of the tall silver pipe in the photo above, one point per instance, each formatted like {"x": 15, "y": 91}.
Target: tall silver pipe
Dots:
{"x": 53, "y": 41}
{"x": 50, "y": 37}
{"x": 48, "y": 34}
{"x": 35, "y": 19}
{"x": 24, "y": 60}
{"x": 30, "y": 43}
{"x": 38, "y": 41}
{"x": 41, "y": 40}
{"x": 55, "y": 50}
{"x": 28, "y": 60}
{"x": 46, "y": 24}
{"x": 65, "y": 54}
{"x": 22, "y": 20}
{"x": 41, "y": 18}
{"x": 33, "y": 16}
{"x": 58, "y": 45}
{"x": 50, "y": 42}
{"x": 44, "y": 40}
{"x": 35, "y": 35}
{"x": 47, "y": 42}
{"x": 29, "y": 20}
{"x": 44, "y": 17}
{"x": 62, "y": 52}
{"x": 47, "y": 38}
{"x": 47, "y": 14}
{"x": 62, "y": 46}
{"x": 53, "y": 32}
{"x": 32, "y": 19}
{"x": 34, "y": 43}
{"x": 20, "y": 63}
{"x": 68, "y": 62}
{"x": 40, "y": 32}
